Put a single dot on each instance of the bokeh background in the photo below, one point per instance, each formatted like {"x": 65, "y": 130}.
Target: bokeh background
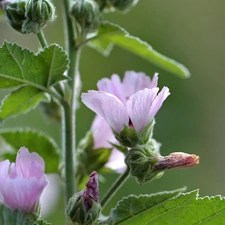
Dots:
{"x": 192, "y": 119}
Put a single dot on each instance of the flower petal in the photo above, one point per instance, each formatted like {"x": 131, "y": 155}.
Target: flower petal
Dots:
{"x": 102, "y": 133}
{"x": 21, "y": 193}
{"x": 29, "y": 164}
{"x": 109, "y": 107}
{"x": 116, "y": 161}
{"x": 139, "y": 108}
{"x": 4, "y": 168}
{"x": 112, "y": 86}
{"x": 134, "y": 82}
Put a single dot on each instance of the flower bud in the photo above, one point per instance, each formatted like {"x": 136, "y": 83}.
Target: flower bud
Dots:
{"x": 123, "y": 5}
{"x": 38, "y": 13}
{"x": 177, "y": 160}
{"x": 84, "y": 207}
{"x": 87, "y": 15}
{"x": 15, "y": 13}
{"x": 141, "y": 161}
{"x": 112, "y": 5}
{"x": 29, "y": 16}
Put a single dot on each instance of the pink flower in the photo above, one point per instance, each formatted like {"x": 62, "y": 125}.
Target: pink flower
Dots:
{"x": 133, "y": 102}
{"x": 22, "y": 183}
{"x": 103, "y": 136}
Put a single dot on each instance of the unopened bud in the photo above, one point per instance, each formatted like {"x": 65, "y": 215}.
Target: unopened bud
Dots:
{"x": 123, "y": 5}
{"x": 29, "y": 16}
{"x": 15, "y": 13}
{"x": 177, "y": 160}
{"x": 141, "y": 161}
{"x": 84, "y": 207}
{"x": 120, "y": 5}
{"x": 87, "y": 15}
{"x": 38, "y": 13}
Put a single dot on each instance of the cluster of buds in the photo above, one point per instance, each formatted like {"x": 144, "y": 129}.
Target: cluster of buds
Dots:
{"x": 29, "y": 16}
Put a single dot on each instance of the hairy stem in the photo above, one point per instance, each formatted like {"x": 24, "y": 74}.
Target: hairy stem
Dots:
{"x": 112, "y": 191}
{"x": 42, "y": 39}
{"x": 69, "y": 112}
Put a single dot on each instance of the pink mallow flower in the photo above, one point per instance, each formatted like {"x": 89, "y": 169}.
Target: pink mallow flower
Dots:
{"x": 22, "y": 182}
{"x": 103, "y": 137}
{"x": 133, "y": 102}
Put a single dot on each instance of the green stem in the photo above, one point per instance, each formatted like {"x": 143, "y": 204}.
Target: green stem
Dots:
{"x": 42, "y": 39}
{"x": 68, "y": 150}
{"x": 112, "y": 191}
{"x": 70, "y": 32}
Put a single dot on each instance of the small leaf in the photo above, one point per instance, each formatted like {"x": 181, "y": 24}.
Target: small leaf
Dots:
{"x": 20, "y": 66}
{"x": 35, "y": 142}
{"x": 21, "y": 101}
{"x": 9, "y": 217}
{"x": 165, "y": 208}
{"x": 111, "y": 33}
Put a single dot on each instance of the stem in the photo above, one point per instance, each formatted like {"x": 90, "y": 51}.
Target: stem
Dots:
{"x": 68, "y": 150}
{"x": 70, "y": 32}
{"x": 69, "y": 127}
{"x": 42, "y": 39}
{"x": 112, "y": 191}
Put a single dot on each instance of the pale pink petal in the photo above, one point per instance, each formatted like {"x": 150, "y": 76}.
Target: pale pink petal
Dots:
{"x": 109, "y": 107}
{"x": 116, "y": 161}
{"x": 160, "y": 98}
{"x": 102, "y": 133}
{"x": 51, "y": 195}
{"x": 112, "y": 86}
{"x": 4, "y": 168}
{"x": 134, "y": 82}
{"x": 25, "y": 180}
{"x": 29, "y": 164}
{"x": 139, "y": 108}
{"x": 21, "y": 193}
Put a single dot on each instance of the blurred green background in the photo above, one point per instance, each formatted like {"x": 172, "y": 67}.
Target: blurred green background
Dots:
{"x": 191, "y": 120}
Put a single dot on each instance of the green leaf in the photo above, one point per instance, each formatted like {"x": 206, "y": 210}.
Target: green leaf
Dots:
{"x": 164, "y": 208}
{"x": 21, "y": 101}
{"x": 103, "y": 46}
{"x": 111, "y": 33}
{"x": 8, "y": 217}
{"x": 6, "y": 83}
{"x": 20, "y": 66}
{"x": 35, "y": 142}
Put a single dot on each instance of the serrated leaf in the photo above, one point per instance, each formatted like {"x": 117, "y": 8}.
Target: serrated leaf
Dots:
{"x": 111, "y": 33}
{"x": 35, "y": 142}
{"x": 21, "y": 101}
{"x": 185, "y": 209}
{"x": 8, "y": 217}
{"x": 24, "y": 67}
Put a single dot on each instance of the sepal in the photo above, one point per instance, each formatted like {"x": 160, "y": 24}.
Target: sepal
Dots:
{"x": 141, "y": 161}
